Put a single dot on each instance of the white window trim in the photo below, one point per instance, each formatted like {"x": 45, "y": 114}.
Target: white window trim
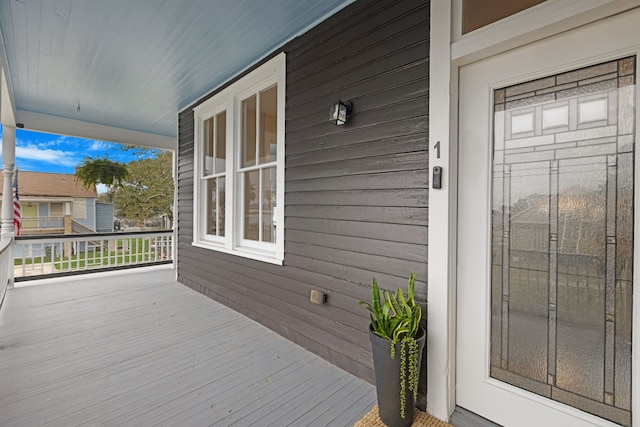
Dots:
{"x": 229, "y": 99}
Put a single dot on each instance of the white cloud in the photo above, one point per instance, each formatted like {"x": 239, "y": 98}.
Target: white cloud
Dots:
{"x": 44, "y": 144}
{"x": 59, "y": 157}
{"x": 68, "y": 141}
{"x": 98, "y": 146}
{"x": 101, "y": 188}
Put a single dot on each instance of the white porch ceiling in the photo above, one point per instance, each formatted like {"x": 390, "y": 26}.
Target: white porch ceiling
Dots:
{"x": 132, "y": 65}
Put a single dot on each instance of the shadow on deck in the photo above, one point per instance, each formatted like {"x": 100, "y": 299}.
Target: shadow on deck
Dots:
{"x": 137, "y": 348}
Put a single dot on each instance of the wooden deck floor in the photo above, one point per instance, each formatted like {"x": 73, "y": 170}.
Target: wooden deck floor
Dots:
{"x": 137, "y": 348}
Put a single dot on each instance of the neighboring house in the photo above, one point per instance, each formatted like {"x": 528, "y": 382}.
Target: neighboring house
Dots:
{"x": 490, "y": 151}
{"x": 48, "y": 198}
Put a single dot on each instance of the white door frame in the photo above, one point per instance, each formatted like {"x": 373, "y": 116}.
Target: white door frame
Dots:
{"x": 449, "y": 51}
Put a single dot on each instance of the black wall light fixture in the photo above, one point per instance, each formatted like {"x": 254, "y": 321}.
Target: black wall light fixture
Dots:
{"x": 340, "y": 112}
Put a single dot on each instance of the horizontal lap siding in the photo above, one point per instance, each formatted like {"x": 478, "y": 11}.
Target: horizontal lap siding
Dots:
{"x": 356, "y": 199}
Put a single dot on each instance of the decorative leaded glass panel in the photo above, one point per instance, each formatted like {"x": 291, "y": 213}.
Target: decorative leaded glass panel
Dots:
{"x": 562, "y": 237}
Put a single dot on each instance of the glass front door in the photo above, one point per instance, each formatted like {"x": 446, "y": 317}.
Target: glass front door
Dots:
{"x": 562, "y": 237}
{"x": 545, "y": 230}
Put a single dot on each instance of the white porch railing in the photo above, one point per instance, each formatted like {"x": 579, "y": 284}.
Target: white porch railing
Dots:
{"x": 38, "y": 256}
{"x": 6, "y": 260}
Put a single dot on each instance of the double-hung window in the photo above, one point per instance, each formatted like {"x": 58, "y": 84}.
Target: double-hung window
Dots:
{"x": 239, "y": 166}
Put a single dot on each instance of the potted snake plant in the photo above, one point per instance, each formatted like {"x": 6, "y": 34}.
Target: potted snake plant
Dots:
{"x": 397, "y": 341}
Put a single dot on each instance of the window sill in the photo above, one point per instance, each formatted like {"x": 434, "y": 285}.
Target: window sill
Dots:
{"x": 244, "y": 252}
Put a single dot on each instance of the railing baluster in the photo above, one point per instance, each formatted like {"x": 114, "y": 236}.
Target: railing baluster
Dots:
{"x": 24, "y": 260}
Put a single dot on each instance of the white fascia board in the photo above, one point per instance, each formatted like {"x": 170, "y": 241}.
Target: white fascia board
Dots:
{"x": 63, "y": 126}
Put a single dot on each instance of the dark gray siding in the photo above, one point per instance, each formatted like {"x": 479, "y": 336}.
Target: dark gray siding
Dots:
{"x": 356, "y": 195}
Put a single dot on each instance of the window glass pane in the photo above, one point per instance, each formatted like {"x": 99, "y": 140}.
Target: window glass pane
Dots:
{"x": 251, "y": 221}
{"x": 212, "y": 210}
{"x": 221, "y": 141}
{"x": 56, "y": 209}
{"x": 478, "y": 13}
{"x": 208, "y": 147}
{"x": 221, "y": 198}
{"x": 215, "y": 206}
{"x": 269, "y": 205}
{"x": 268, "y": 124}
{"x": 249, "y": 131}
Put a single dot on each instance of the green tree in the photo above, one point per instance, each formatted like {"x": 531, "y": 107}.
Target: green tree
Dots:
{"x": 148, "y": 190}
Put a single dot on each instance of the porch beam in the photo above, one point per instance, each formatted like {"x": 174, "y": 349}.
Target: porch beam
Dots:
{"x": 63, "y": 126}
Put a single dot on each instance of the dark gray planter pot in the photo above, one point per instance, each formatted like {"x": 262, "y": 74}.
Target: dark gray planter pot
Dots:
{"x": 387, "y": 372}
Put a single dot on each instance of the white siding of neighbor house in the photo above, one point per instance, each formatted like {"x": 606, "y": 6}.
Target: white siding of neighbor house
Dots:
{"x": 84, "y": 212}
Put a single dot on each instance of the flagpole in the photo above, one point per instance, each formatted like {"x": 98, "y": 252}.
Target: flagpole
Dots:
{"x": 17, "y": 207}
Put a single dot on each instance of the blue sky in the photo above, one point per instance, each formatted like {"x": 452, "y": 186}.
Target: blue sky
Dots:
{"x": 41, "y": 152}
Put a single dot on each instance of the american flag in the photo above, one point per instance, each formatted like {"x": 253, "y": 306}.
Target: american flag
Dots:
{"x": 17, "y": 209}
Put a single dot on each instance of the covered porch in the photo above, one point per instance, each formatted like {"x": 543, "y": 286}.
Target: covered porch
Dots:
{"x": 138, "y": 348}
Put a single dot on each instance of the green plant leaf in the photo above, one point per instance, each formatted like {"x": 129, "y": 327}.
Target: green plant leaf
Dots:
{"x": 393, "y": 302}
{"x": 375, "y": 296}
{"x": 411, "y": 289}
{"x": 394, "y": 316}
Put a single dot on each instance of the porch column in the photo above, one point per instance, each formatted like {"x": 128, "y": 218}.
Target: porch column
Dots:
{"x": 8, "y": 162}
